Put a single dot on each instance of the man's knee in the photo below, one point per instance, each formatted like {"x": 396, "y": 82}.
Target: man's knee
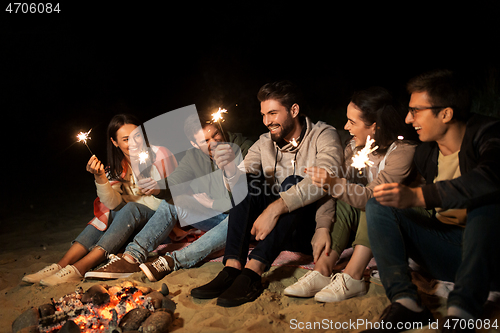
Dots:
{"x": 372, "y": 208}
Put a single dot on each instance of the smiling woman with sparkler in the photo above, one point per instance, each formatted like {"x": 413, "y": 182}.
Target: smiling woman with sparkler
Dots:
{"x": 383, "y": 159}
{"x": 116, "y": 186}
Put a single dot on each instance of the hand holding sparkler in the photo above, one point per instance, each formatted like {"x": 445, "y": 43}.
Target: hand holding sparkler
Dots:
{"x": 224, "y": 158}
{"x": 95, "y": 167}
{"x": 148, "y": 186}
{"x": 321, "y": 178}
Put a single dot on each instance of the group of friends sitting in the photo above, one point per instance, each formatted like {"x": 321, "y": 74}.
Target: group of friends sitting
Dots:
{"x": 428, "y": 192}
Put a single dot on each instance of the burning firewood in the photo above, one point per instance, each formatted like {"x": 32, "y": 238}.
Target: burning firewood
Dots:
{"x": 102, "y": 309}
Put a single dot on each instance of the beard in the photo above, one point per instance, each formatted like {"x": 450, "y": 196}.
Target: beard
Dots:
{"x": 286, "y": 128}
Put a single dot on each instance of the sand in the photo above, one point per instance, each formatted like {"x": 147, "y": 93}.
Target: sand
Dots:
{"x": 40, "y": 233}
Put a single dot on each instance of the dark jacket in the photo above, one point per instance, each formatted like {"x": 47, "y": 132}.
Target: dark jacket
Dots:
{"x": 479, "y": 160}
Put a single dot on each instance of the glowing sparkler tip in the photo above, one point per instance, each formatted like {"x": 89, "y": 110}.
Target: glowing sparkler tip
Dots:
{"x": 217, "y": 116}
{"x": 360, "y": 160}
{"x": 83, "y": 136}
{"x": 400, "y": 137}
{"x": 293, "y": 142}
{"x": 143, "y": 156}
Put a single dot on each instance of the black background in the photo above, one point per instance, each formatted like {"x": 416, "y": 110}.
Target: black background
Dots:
{"x": 66, "y": 72}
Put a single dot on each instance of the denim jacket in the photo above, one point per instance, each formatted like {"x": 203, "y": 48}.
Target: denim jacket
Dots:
{"x": 479, "y": 160}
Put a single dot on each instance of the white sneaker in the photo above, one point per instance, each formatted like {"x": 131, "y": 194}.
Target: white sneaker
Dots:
{"x": 43, "y": 273}
{"x": 342, "y": 287}
{"x": 308, "y": 285}
{"x": 66, "y": 274}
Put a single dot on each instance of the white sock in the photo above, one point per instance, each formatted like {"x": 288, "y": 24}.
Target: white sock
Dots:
{"x": 410, "y": 304}
{"x": 460, "y": 313}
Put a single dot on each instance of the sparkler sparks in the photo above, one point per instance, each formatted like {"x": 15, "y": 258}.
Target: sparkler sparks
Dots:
{"x": 360, "y": 160}
{"x": 143, "y": 156}
{"x": 217, "y": 118}
{"x": 83, "y": 137}
{"x": 294, "y": 143}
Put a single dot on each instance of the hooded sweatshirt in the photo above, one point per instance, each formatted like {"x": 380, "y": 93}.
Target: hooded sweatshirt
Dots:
{"x": 318, "y": 146}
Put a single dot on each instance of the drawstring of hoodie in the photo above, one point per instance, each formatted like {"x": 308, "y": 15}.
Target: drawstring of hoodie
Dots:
{"x": 294, "y": 163}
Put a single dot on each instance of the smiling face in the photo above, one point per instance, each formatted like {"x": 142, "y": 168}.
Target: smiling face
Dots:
{"x": 429, "y": 127}
{"x": 207, "y": 139}
{"x": 278, "y": 119}
{"x": 356, "y": 126}
{"x": 129, "y": 140}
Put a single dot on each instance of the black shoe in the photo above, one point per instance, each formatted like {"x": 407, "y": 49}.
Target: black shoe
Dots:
{"x": 217, "y": 286}
{"x": 246, "y": 288}
{"x": 451, "y": 324}
{"x": 398, "y": 318}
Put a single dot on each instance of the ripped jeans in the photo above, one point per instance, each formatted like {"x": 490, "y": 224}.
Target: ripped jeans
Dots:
{"x": 122, "y": 225}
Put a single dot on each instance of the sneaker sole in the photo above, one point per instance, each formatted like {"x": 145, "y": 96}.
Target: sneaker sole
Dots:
{"x": 148, "y": 273}
{"x": 106, "y": 275}
{"x": 291, "y": 294}
{"x": 327, "y": 299}
{"x": 30, "y": 281}
{"x": 43, "y": 283}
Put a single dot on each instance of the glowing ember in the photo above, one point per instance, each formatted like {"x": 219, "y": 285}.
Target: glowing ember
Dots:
{"x": 360, "y": 160}
{"x": 294, "y": 143}
{"x": 83, "y": 137}
{"x": 143, "y": 156}
{"x": 217, "y": 116}
{"x": 92, "y": 318}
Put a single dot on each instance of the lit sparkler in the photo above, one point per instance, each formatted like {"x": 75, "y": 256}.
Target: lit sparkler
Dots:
{"x": 143, "y": 156}
{"x": 83, "y": 137}
{"x": 217, "y": 118}
{"x": 360, "y": 160}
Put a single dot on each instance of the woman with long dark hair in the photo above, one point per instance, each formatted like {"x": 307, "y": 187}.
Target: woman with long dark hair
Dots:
{"x": 371, "y": 112}
{"x": 115, "y": 220}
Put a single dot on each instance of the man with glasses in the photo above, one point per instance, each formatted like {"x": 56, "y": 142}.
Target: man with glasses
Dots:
{"x": 456, "y": 238}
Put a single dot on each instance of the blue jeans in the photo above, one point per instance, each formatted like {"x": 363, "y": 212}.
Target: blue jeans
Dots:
{"x": 162, "y": 223}
{"x": 122, "y": 225}
{"x": 467, "y": 256}
{"x": 213, "y": 240}
{"x": 293, "y": 231}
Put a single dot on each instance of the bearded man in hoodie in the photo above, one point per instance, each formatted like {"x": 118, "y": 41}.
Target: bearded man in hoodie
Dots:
{"x": 283, "y": 210}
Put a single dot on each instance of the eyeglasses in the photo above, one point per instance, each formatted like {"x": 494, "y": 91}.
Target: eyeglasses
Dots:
{"x": 415, "y": 110}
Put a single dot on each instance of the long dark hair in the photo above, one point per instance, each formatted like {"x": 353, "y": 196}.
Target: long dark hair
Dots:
{"x": 376, "y": 105}
{"x": 115, "y": 154}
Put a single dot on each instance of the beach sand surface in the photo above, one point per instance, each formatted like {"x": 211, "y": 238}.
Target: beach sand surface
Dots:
{"x": 39, "y": 234}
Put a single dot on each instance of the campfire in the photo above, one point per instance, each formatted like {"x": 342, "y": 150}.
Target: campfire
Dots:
{"x": 102, "y": 309}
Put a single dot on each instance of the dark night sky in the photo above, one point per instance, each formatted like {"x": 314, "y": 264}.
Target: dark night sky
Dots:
{"x": 67, "y": 72}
